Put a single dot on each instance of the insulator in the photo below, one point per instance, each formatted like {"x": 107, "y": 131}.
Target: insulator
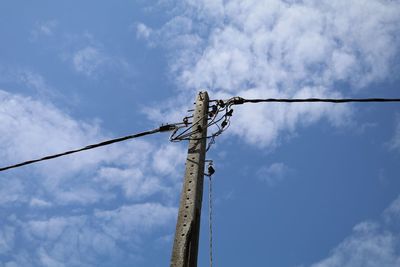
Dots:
{"x": 211, "y": 170}
{"x": 223, "y": 124}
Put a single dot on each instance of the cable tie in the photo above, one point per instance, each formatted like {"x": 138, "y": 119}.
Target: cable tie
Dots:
{"x": 238, "y": 100}
{"x": 224, "y": 123}
{"x": 214, "y": 110}
{"x": 186, "y": 121}
{"x": 221, "y": 103}
{"x": 167, "y": 127}
{"x": 210, "y": 168}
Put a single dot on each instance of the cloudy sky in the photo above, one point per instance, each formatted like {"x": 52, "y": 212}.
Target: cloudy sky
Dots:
{"x": 296, "y": 185}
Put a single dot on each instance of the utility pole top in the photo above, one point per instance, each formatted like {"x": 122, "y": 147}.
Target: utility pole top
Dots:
{"x": 186, "y": 242}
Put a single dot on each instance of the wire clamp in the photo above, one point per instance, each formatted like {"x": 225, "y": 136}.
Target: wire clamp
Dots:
{"x": 237, "y": 100}
{"x": 210, "y": 168}
{"x": 167, "y": 127}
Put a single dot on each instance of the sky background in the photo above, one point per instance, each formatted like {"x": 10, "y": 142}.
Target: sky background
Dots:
{"x": 296, "y": 185}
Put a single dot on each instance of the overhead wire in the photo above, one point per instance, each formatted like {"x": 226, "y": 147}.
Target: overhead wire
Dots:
{"x": 214, "y": 120}
{"x": 220, "y": 106}
{"x": 181, "y": 136}
{"x": 240, "y": 100}
{"x": 226, "y": 123}
{"x": 163, "y": 128}
{"x": 210, "y": 222}
{"x": 186, "y": 135}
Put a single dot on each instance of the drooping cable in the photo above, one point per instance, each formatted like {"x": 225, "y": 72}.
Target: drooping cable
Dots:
{"x": 210, "y": 218}
{"x": 163, "y": 128}
{"x": 240, "y": 100}
{"x": 185, "y": 133}
{"x": 221, "y": 107}
{"x": 211, "y": 171}
{"x": 225, "y": 107}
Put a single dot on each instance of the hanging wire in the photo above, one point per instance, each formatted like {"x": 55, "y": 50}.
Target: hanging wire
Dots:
{"x": 239, "y": 100}
{"x": 219, "y": 118}
{"x": 226, "y": 105}
{"x": 182, "y": 135}
{"x": 210, "y": 210}
{"x": 211, "y": 171}
{"x": 220, "y": 106}
{"x": 163, "y": 128}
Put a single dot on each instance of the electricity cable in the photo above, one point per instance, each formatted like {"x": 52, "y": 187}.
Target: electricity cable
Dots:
{"x": 163, "y": 128}
{"x": 181, "y": 135}
{"x": 227, "y": 106}
{"x": 221, "y": 106}
{"x": 240, "y": 100}
{"x": 211, "y": 171}
{"x": 210, "y": 202}
{"x": 213, "y": 120}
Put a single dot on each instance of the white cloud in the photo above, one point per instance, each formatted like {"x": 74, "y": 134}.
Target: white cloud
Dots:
{"x": 47, "y": 261}
{"x": 133, "y": 182}
{"x": 370, "y": 244}
{"x": 80, "y": 240}
{"x": 28, "y": 80}
{"x": 93, "y": 61}
{"x": 51, "y": 229}
{"x": 45, "y": 28}
{"x": 394, "y": 144}
{"x": 32, "y": 129}
{"x": 63, "y": 199}
{"x": 88, "y": 60}
{"x": 143, "y": 31}
{"x": 11, "y": 191}
{"x": 33, "y": 80}
{"x": 392, "y": 213}
{"x": 162, "y": 159}
{"x": 274, "y": 173}
{"x": 135, "y": 219}
{"x": 40, "y": 203}
{"x": 275, "y": 48}
{"x": 7, "y": 237}
{"x": 89, "y": 57}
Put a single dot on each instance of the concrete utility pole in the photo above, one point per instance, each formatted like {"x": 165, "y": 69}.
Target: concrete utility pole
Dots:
{"x": 186, "y": 242}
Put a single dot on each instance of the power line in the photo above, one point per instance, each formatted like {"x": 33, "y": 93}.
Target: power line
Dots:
{"x": 213, "y": 120}
{"x": 222, "y": 105}
{"x": 163, "y": 128}
{"x": 240, "y": 100}
{"x": 210, "y": 212}
{"x": 226, "y": 105}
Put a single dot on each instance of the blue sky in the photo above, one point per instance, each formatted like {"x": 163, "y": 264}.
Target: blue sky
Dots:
{"x": 295, "y": 185}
